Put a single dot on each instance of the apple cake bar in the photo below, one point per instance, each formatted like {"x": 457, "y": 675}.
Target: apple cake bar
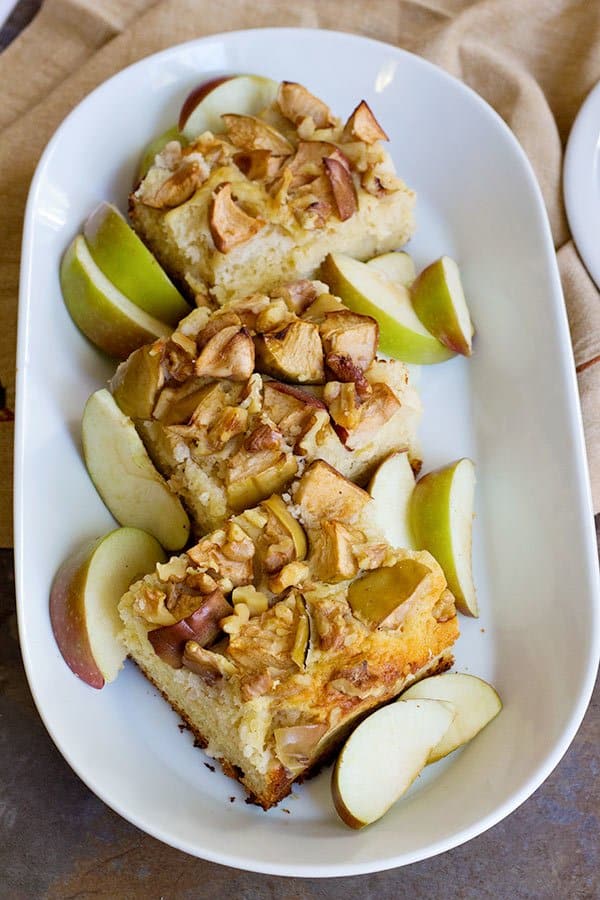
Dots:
{"x": 275, "y": 634}
{"x": 238, "y": 400}
{"x": 270, "y": 197}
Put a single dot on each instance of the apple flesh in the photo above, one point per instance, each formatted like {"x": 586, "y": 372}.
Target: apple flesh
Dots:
{"x": 441, "y": 516}
{"x": 128, "y": 264}
{"x": 202, "y": 626}
{"x": 377, "y": 597}
{"x": 366, "y": 291}
{"x": 391, "y": 488}
{"x": 125, "y": 477}
{"x": 475, "y": 701}
{"x": 136, "y": 382}
{"x": 384, "y": 755}
{"x": 439, "y": 301}
{"x": 276, "y": 505}
{"x": 101, "y": 312}
{"x": 245, "y": 95}
{"x": 84, "y": 597}
{"x": 397, "y": 266}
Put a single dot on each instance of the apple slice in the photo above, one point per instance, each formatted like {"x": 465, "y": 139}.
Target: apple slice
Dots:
{"x": 384, "y": 755}
{"x": 439, "y": 301}
{"x": 84, "y": 597}
{"x": 126, "y": 261}
{"x": 441, "y": 516}
{"x": 245, "y": 95}
{"x": 104, "y": 315}
{"x": 154, "y": 147}
{"x": 391, "y": 488}
{"x": 397, "y": 266}
{"x": 475, "y": 701}
{"x": 124, "y": 476}
{"x": 366, "y": 291}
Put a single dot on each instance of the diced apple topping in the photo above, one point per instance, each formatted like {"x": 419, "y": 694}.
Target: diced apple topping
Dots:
{"x": 297, "y": 295}
{"x": 297, "y": 103}
{"x": 325, "y": 494}
{"x": 250, "y": 133}
{"x": 295, "y": 353}
{"x": 302, "y": 641}
{"x": 374, "y": 411}
{"x": 229, "y": 225}
{"x": 378, "y": 597}
{"x": 350, "y": 334}
{"x": 211, "y": 667}
{"x": 343, "y": 188}
{"x": 202, "y": 626}
{"x": 363, "y": 126}
{"x": 332, "y": 553}
{"x": 253, "y": 476}
{"x": 258, "y": 165}
{"x": 274, "y": 317}
{"x": 228, "y": 354}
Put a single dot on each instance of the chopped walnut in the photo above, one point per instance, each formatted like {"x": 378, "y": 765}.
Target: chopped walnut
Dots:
{"x": 255, "y": 601}
{"x": 174, "y": 570}
{"x": 345, "y": 370}
{"x": 363, "y": 126}
{"x": 226, "y": 554}
{"x": 274, "y": 317}
{"x": 342, "y": 187}
{"x": 179, "y": 187}
{"x": 150, "y": 605}
{"x": 308, "y": 161}
{"x": 201, "y": 581}
{"x": 228, "y": 354}
{"x": 291, "y": 575}
{"x": 344, "y": 403}
{"x": 263, "y": 438}
{"x": 378, "y": 182}
{"x": 295, "y": 353}
{"x": 178, "y": 357}
{"x": 350, "y": 334}
{"x": 250, "y": 133}
{"x": 313, "y": 203}
{"x": 297, "y": 103}
{"x": 249, "y": 309}
{"x": 444, "y": 609}
{"x": 229, "y": 225}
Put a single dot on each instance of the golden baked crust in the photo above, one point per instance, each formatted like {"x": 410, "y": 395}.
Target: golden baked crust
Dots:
{"x": 270, "y": 197}
{"x": 239, "y": 400}
{"x": 272, "y": 686}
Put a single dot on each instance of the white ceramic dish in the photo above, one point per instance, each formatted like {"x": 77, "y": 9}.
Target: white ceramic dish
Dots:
{"x": 513, "y": 408}
{"x": 581, "y": 182}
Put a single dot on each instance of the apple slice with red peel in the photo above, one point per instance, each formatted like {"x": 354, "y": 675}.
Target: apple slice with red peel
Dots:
{"x": 441, "y": 517}
{"x": 439, "y": 301}
{"x": 397, "y": 266}
{"x": 391, "y": 488}
{"x": 124, "y": 476}
{"x": 84, "y": 597}
{"x": 384, "y": 755}
{"x": 475, "y": 701}
{"x": 202, "y": 626}
{"x": 245, "y": 95}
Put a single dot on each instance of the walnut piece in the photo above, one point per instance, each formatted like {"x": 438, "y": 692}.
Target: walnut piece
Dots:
{"x": 229, "y": 225}
{"x": 263, "y": 438}
{"x": 297, "y": 103}
{"x": 292, "y": 574}
{"x": 226, "y": 554}
{"x": 345, "y": 370}
{"x": 250, "y": 133}
{"x": 363, "y": 126}
{"x": 178, "y": 188}
{"x": 228, "y": 354}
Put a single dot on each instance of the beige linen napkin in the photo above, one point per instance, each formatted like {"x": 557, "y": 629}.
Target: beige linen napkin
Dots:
{"x": 533, "y": 60}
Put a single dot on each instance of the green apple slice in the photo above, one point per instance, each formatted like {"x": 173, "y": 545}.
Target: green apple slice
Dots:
{"x": 155, "y": 146}
{"x": 84, "y": 598}
{"x": 366, "y": 291}
{"x": 397, "y": 266}
{"x": 246, "y": 95}
{"x": 105, "y": 315}
{"x": 391, "y": 488}
{"x": 475, "y": 701}
{"x": 441, "y": 516}
{"x": 384, "y": 755}
{"x": 439, "y": 301}
{"x": 124, "y": 476}
{"x": 126, "y": 261}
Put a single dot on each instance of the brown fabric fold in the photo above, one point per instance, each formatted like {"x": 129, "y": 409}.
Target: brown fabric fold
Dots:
{"x": 534, "y": 61}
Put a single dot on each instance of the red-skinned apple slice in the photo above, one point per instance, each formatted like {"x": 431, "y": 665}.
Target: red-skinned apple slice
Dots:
{"x": 84, "y": 597}
{"x": 245, "y": 95}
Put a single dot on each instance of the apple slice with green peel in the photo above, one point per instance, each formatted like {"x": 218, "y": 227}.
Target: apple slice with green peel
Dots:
{"x": 397, "y": 266}
{"x": 84, "y": 597}
{"x": 384, "y": 755}
{"x": 475, "y": 701}
{"x": 364, "y": 290}
{"x": 155, "y": 146}
{"x": 136, "y": 382}
{"x": 126, "y": 261}
{"x": 246, "y": 95}
{"x": 124, "y": 476}
{"x": 441, "y": 517}
{"x": 391, "y": 488}
{"x": 439, "y": 301}
{"x": 105, "y": 316}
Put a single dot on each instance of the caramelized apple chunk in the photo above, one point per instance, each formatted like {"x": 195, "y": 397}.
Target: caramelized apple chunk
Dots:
{"x": 325, "y": 494}
{"x": 363, "y": 126}
{"x": 350, "y": 334}
{"x": 229, "y": 225}
{"x": 294, "y": 354}
{"x": 297, "y": 103}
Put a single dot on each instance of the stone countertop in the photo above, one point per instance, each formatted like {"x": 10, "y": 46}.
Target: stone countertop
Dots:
{"x": 57, "y": 840}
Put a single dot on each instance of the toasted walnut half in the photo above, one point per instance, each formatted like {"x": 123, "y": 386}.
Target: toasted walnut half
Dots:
{"x": 228, "y": 354}
{"x": 179, "y": 187}
{"x": 297, "y": 103}
{"x": 343, "y": 188}
{"x": 229, "y": 224}
{"x": 294, "y": 354}
{"x": 363, "y": 126}
{"x": 250, "y": 133}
